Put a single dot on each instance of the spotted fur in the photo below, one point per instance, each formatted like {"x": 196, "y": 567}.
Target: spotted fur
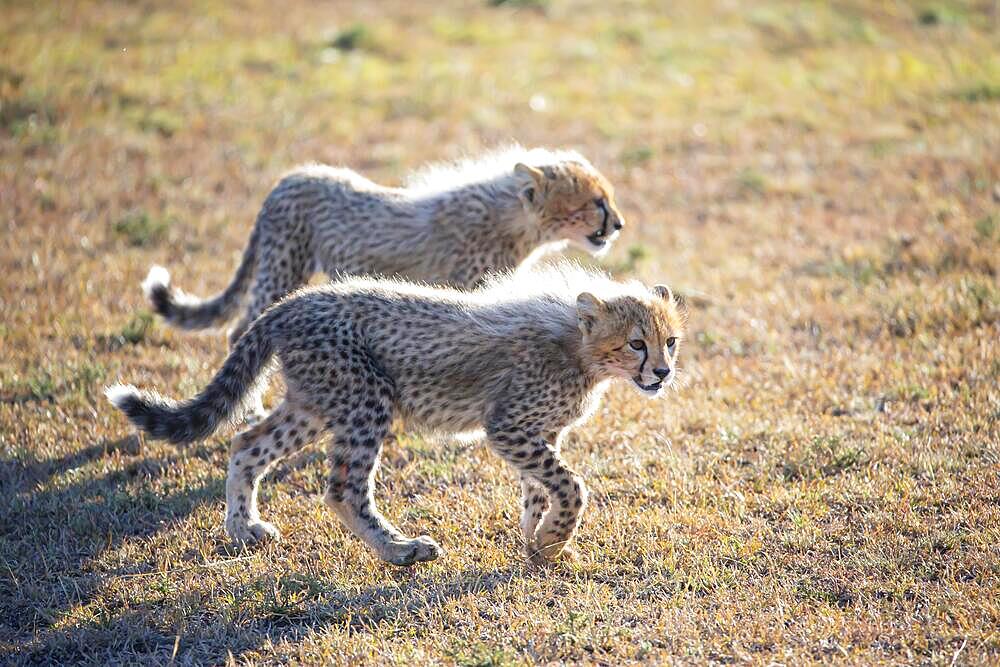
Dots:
{"x": 523, "y": 358}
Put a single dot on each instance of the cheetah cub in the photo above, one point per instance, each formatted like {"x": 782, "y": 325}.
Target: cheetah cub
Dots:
{"x": 451, "y": 225}
{"x": 523, "y": 358}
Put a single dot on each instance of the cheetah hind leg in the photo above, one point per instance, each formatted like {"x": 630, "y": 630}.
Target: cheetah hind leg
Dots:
{"x": 354, "y": 460}
{"x": 349, "y": 495}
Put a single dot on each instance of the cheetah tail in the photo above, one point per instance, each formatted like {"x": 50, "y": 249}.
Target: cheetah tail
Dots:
{"x": 190, "y": 312}
{"x": 224, "y": 398}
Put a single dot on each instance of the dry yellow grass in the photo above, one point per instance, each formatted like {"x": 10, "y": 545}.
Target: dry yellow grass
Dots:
{"x": 825, "y": 180}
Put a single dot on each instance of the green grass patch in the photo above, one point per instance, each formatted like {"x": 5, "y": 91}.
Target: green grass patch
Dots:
{"x": 134, "y": 332}
{"x": 749, "y": 181}
{"x": 824, "y": 457}
{"x": 983, "y": 92}
{"x": 141, "y": 229}
{"x": 20, "y": 114}
{"x": 51, "y": 383}
{"x": 160, "y": 121}
{"x": 524, "y": 4}
{"x": 986, "y": 227}
{"x": 941, "y": 14}
{"x": 354, "y": 37}
{"x": 41, "y": 385}
{"x": 9, "y": 76}
{"x": 635, "y": 255}
{"x": 636, "y": 156}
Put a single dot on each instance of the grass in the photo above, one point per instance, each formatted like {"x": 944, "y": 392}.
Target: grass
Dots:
{"x": 355, "y": 37}
{"x": 139, "y": 228}
{"x": 821, "y": 179}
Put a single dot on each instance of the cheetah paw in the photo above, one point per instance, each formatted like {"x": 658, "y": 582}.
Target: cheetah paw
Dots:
{"x": 540, "y": 555}
{"x": 408, "y": 552}
{"x": 252, "y": 532}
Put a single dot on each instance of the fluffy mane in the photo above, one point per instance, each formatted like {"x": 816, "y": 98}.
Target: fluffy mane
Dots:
{"x": 543, "y": 297}
{"x": 495, "y": 165}
{"x": 561, "y": 279}
{"x": 540, "y": 298}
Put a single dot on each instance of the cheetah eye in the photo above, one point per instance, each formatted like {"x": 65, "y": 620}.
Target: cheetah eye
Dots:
{"x": 671, "y": 342}
{"x": 637, "y": 344}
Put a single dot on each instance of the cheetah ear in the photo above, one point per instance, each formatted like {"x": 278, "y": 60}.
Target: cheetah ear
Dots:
{"x": 663, "y": 292}
{"x": 667, "y": 294}
{"x": 529, "y": 193}
{"x": 537, "y": 175}
{"x": 588, "y": 310}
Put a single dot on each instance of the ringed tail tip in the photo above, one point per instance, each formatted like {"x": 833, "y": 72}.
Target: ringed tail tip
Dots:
{"x": 156, "y": 287}
{"x": 120, "y": 395}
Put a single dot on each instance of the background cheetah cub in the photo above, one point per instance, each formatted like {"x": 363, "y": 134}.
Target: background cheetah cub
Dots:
{"x": 451, "y": 225}
{"x": 523, "y": 358}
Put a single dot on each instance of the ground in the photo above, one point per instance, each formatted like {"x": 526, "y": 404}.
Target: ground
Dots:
{"x": 822, "y": 181}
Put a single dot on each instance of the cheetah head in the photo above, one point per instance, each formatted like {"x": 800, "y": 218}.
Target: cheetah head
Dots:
{"x": 573, "y": 202}
{"x": 634, "y": 337}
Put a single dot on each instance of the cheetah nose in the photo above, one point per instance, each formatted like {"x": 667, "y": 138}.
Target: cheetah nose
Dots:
{"x": 618, "y": 224}
{"x": 661, "y": 373}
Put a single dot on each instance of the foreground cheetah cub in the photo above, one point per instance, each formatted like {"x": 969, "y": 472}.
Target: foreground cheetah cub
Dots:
{"x": 451, "y": 225}
{"x": 523, "y": 358}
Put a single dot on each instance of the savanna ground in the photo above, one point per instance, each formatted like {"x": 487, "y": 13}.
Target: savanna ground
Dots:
{"x": 823, "y": 180}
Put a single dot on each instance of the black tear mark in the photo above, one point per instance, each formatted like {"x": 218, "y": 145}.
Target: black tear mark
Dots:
{"x": 604, "y": 220}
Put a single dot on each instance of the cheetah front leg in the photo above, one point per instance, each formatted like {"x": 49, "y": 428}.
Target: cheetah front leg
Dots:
{"x": 546, "y": 480}
{"x": 534, "y": 505}
{"x": 534, "y": 499}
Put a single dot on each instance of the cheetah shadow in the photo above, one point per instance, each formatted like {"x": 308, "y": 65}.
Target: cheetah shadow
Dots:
{"x": 50, "y": 535}
{"x": 128, "y": 637}
{"x": 51, "y": 532}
